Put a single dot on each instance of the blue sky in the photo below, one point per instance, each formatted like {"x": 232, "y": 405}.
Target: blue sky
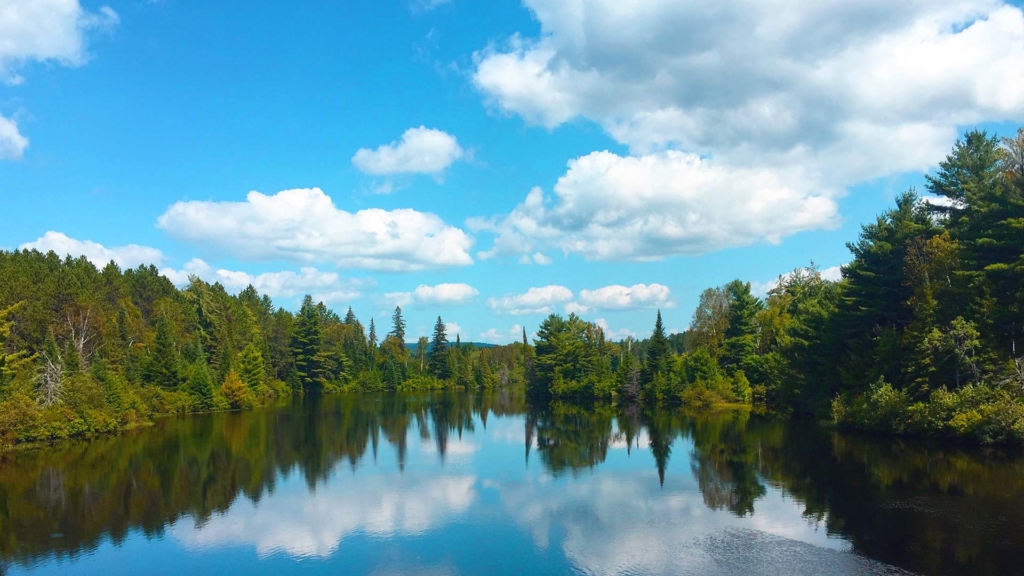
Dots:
{"x": 672, "y": 147}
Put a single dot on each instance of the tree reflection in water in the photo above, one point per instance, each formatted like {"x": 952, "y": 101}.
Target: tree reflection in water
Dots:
{"x": 924, "y": 508}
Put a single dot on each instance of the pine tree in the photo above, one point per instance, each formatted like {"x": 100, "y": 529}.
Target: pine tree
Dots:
{"x": 398, "y": 325}
{"x": 252, "y": 370}
{"x": 373, "y": 335}
{"x": 740, "y": 336}
{"x": 10, "y": 362}
{"x": 164, "y": 365}
{"x": 350, "y": 318}
{"x": 307, "y": 346}
{"x": 658, "y": 353}
{"x": 199, "y": 384}
{"x": 439, "y": 351}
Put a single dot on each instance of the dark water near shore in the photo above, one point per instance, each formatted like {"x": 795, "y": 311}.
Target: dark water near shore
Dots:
{"x": 479, "y": 484}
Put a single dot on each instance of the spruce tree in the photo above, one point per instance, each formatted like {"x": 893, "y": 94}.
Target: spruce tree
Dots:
{"x": 439, "y": 351}
{"x": 164, "y": 365}
{"x": 398, "y": 325}
{"x": 252, "y": 370}
{"x": 10, "y": 362}
{"x": 658, "y": 353}
{"x": 200, "y": 384}
{"x": 307, "y": 346}
{"x": 350, "y": 317}
{"x": 740, "y": 336}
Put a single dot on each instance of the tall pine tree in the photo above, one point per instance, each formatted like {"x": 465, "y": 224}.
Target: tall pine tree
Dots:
{"x": 439, "y": 366}
{"x": 307, "y": 346}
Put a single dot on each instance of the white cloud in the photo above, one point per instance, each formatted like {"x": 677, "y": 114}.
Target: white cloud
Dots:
{"x": 610, "y": 207}
{"x": 129, "y": 256}
{"x": 46, "y": 30}
{"x": 428, "y": 5}
{"x": 779, "y": 107}
{"x": 327, "y": 287}
{"x": 616, "y": 297}
{"x": 12, "y": 143}
{"x": 536, "y": 258}
{"x": 441, "y": 294}
{"x": 303, "y": 225}
{"x": 615, "y": 335}
{"x": 303, "y": 523}
{"x": 420, "y": 151}
{"x": 541, "y": 300}
{"x": 576, "y": 308}
{"x": 495, "y": 336}
{"x": 453, "y": 329}
{"x": 832, "y": 274}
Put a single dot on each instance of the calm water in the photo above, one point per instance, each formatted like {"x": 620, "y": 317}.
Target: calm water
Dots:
{"x": 462, "y": 484}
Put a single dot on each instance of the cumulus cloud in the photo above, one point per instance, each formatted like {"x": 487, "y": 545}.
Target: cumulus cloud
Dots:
{"x": 420, "y": 151}
{"x": 441, "y": 294}
{"x": 536, "y": 258}
{"x": 541, "y": 300}
{"x": 129, "y": 256}
{"x": 611, "y": 207}
{"x": 616, "y": 297}
{"x": 453, "y": 330}
{"x": 12, "y": 143}
{"x": 620, "y": 334}
{"x": 303, "y": 225}
{"x": 302, "y": 523}
{"x": 325, "y": 287}
{"x": 496, "y": 336}
{"x": 779, "y": 107}
{"x": 46, "y": 30}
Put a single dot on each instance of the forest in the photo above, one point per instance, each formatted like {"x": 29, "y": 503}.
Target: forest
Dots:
{"x": 918, "y": 337}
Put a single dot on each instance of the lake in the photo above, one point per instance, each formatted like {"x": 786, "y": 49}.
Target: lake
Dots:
{"x": 482, "y": 484}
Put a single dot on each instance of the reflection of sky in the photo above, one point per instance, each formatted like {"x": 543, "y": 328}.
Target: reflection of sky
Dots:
{"x": 300, "y": 523}
{"x": 483, "y": 510}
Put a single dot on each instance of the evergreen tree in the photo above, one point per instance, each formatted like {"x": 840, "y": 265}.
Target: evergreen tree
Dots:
{"x": 307, "y": 346}
{"x": 200, "y": 385}
{"x": 10, "y": 361}
{"x": 164, "y": 366}
{"x": 350, "y": 318}
{"x": 398, "y": 325}
{"x": 658, "y": 353}
{"x": 252, "y": 370}
{"x": 439, "y": 351}
{"x": 740, "y": 336}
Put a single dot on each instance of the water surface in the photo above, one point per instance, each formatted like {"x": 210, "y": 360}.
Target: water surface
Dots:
{"x": 480, "y": 484}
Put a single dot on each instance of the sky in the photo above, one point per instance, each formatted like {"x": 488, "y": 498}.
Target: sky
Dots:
{"x": 489, "y": 162}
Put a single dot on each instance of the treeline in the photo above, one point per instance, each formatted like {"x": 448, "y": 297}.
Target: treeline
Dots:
{"x": 84, "y": 350}
{"x": 920, "y": 336}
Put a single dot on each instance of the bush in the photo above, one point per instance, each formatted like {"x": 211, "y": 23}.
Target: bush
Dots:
{"x": 977, "y": 413}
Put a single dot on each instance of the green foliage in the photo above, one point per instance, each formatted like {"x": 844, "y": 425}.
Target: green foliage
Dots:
{"x": 439, "y": 366}
{"x": 236, "y": 392}
{"x": 307, "y": 347}
{"x": 199, "y": 386}
{"x": 163, "y": 368}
